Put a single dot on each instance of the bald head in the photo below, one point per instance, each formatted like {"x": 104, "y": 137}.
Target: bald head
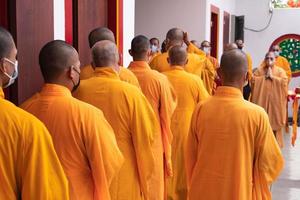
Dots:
{"x": 230, "y": 46}
{"x": 100, "y": 34}
{"x": 6, "y": 43}
{"x": 234, "y": 66}
{"x": 55, "y": 58}
{"x": 175, "y": 34}
{"x": 140, "y": 47}
{"x": 240, "y": 43}
{"x": 105, "y": 54}
{"x": 177, "y": 56}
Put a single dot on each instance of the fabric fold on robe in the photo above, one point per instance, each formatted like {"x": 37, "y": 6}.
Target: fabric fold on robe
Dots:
{"x": 162, "y": 98}
{"x": 83, "y": 139}
{"x": 189, "y": 91}
{"x": 239, "y": 164}
{"x": 135, "y": 126}
{"x": 29, "y": 166}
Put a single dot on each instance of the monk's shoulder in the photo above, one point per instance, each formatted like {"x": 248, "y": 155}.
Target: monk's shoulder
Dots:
{"x": 253, "y": 109}
{"x": 26, "y": 104}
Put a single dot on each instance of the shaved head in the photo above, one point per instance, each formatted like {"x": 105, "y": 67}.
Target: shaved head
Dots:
{"x": 234, "y": 66}
{"x": 100, "y": 34}
{"x": 177, "y": 55}
{"x": 275, "y": 47}
{"x": 230, "y": 46}
{"x": 6, "y": 43}
{"x": 140, "y": 47}
{"x": 55, "y": 57}
{"x": 105, "y": 54}
{"x": 175, "y": 34}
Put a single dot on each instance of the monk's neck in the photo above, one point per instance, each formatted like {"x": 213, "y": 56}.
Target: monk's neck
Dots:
{"x": 234, "y": 85}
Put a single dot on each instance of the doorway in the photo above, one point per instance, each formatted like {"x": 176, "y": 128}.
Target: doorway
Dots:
{"x": 214, "y": 30}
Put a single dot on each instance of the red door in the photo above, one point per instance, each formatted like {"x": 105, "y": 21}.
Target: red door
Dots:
{"x": 214, "y": 31}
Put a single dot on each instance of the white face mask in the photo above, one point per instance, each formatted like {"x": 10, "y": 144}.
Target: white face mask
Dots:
{"x": 12, "y": 77}
{"x": 206, "y": 49}
{"x": 154, "y": 48}
{"x": 276, "y": 53}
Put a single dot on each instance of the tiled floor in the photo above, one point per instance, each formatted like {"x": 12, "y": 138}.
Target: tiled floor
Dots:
{"x": 287, "y": 186}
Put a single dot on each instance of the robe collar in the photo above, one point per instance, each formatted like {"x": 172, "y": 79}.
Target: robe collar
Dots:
{"x": 106, "y": 72}
{"x": 1, "y": 93}
{"x": 226, "y": 91}
{"x": 55, "y": 90}
{"x": 177, "y": 67}
{"x": 136, "y": 65}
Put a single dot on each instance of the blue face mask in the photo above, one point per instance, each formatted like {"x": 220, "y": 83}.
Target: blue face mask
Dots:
{"x": 12, "y": 77}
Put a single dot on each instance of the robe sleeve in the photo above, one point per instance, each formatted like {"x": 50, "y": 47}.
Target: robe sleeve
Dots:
{"x": 193, "y": 49}
{"x": 144, "y": 128}
{"x": 287, "y": 68}
{"x": 202, "y": 92}
{"x": 42, "y": 174}
{"x": 250, "y": 66}
{"x": 103, "y": 153}
{"x": 269, "y": 157}
{"x": 168, "y": 102}
{"x": 191, "y": 151}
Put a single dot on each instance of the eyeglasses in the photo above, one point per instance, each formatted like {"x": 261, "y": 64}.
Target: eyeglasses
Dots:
{"x": 277, "y": 50}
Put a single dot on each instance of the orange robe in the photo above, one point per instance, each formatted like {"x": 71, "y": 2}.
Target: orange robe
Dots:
{"x": 250, "y": 66}
{"x": 83, "y": 139}
{"x": 190, "y": 91}
{"x": 231, "y": 150}
{"x": 29, "y": 166}
{"x": 208, "y": 73}
{"x": 135, "y": 126}
{"x": 272, "y": 96}
{"x": 124, "y": 74}
{"x": 160, "y": 95}
{"x": 283, "y": 63}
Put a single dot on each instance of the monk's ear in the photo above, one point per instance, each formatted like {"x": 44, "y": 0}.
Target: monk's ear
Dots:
{"x": 168, "y": 59}
{"x": 71, "y": 73}
{"x": 130, "y": 52}
{"x": 186, "y": 62}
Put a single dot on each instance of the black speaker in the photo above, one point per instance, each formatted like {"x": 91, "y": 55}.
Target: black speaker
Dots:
{"x": 239, "y": 27}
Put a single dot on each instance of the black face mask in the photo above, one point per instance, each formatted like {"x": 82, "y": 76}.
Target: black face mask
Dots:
{"x": 75, "y": 86}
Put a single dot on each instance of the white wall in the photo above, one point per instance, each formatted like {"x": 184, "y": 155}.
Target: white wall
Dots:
{"x": 154, "y": 18}
{"x": 256, "y": 13}
{"x": 128, "y": 31}
{"x": 59, "y": 19}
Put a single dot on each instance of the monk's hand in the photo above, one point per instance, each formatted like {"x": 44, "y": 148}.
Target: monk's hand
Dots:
{"x": 186, "y": 38}
{"x": 268, "y": 73}
{"x": 169, "y": 168}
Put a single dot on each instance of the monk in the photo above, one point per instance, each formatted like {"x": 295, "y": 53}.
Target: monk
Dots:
{"x": 282, "y": 62}
{"x": 30, "y": 168}
{"x": 247, "y": 88}
{"x": 159, "y": 93}
{"x": 206, "y": 47}
{"x": 197, "y": 64}
{"x": 231, "y": 150}
{"x": 269, "y": 90}
{"x": 131, "y": 117}
{"x": 83, "y": 139}
{"x": 154, "y": 45}
{"x": 190, "y": 91}
{"x": 208, "y": 74}
{"x": 95, "y": 36}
